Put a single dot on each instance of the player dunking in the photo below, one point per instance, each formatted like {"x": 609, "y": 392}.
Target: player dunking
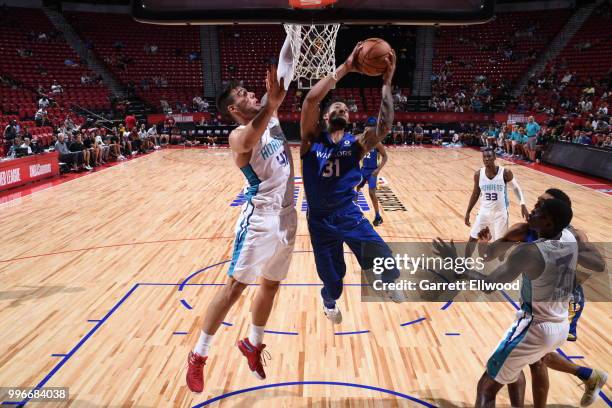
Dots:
{"x": 548, "y": 270}
{"x": 490, "y": 184}
{"x": 369, "y": 173}
{"x": 265, "y": 231}
{"x": 330, "y": 166}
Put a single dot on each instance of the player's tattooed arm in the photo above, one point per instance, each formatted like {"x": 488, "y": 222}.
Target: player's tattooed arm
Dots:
{"x": 373, "y": 136}
{"x": 473, "y": 198}
{"x": 310, "y": 125}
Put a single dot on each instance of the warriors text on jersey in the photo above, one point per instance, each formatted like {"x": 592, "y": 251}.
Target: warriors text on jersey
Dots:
{"x": 331, "y": 172}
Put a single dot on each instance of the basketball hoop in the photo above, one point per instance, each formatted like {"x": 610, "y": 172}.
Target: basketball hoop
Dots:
{"x": 313, "y": 46}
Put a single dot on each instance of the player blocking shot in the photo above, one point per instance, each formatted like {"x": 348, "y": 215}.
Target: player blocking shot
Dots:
{"x": 490, "y": 185}
{"x": 331, "y": 170}
{"x": 266, "y": 227}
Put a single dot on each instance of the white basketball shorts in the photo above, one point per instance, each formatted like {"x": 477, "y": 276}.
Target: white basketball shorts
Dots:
{"x": 497, "y": 223}
{"x": 526, "y": 342}
{"x": 263, "y": 245}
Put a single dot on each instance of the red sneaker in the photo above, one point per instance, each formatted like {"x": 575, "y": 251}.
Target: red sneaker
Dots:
{"x": 195, "y": 371}
{"x": 253, "y": 355}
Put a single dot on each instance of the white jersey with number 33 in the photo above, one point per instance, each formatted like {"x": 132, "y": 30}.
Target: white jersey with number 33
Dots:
{"x": 493, "y": 193}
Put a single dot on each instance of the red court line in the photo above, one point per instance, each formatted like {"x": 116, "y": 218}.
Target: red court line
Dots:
{"x": 162, "y": 241}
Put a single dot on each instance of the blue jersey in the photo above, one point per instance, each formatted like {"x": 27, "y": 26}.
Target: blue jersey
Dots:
{"x": 370, "y": 160}
{"x": 331, "y": 172}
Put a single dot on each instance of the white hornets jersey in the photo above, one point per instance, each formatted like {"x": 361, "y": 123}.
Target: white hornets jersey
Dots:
{"x": 493, "y": 193}
{"x": 547, "y": 296}
{"x": 269, "y": 173}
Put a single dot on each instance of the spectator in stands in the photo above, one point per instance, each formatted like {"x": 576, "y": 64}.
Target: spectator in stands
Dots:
{"x": 607, "y": 142}
{"x": 130, "y": 122}
{"x": 152, "y": 136}
{"x": 77, "y": 146}
{"x": 137, "y": 145}
{"x": 56, "y": 88}
{"x": 102, "y": 148}
{"x": 10, "y": 133}
{"x": 418, "y": 134}
{"x": 41, "y": 117}
{"x": 397, "y": 134}
{"x": 436, "y": 137}
{"x": 69, "y": 125}
{"x": 85, "y": 79}
{"x": 90, "y": 145}
{"x": 12, "y": 149}
{"x": 26, "y": 145}
{"x": 65, "y": 155}
{"x": 44, "y": 102}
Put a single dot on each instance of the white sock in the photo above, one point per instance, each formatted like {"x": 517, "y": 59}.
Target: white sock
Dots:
{"x": 203, "y": 344}
{"x": 256, "y": 335}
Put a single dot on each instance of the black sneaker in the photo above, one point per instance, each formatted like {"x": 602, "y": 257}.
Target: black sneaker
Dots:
{"x": 377, "y": 221}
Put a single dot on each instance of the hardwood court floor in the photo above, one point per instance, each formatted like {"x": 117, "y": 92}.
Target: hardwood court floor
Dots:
{"x": 90, "y": 271}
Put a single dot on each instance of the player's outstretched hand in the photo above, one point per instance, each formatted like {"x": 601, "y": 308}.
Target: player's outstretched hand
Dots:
{"x": 275, "y": 90}
{"x": 467, "y": 220}
{"x": 484, "y": 235}
{"x": 391, "y": 60}
{"x": 444, "y": 250}
{"x": 525, "y": 212}
{"x": 351, "y": 61}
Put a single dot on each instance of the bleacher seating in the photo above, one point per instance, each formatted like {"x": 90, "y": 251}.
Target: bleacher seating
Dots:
{"x": 19, "y": 31}
{"x": 115, "y": 36}
{"x": 478, "y": 49}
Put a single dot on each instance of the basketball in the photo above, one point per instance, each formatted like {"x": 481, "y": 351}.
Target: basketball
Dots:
{"x": 371, "y": 57}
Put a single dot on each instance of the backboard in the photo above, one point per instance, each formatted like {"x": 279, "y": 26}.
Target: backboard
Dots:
{"x": 313, "y": 11}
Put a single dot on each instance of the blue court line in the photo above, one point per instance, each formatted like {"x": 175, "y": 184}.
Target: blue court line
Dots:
{"x": 453, "y": 334}
{"x": 447, "y": 305}
{"x": 351, "y": 332}
{"x": 187, "y": 305}
{"x": 227, "y": 324}
{"x": 419, "y": 320}
{"x": 509, "y": 299}
{"x": 289, "y": 384}
{"x": 575, "y": 357}
{"x": 200, "y": 271}
{"x": 80, "y": 343}
{"x": 281, "y": 332}
{"x": 58, "y": 355}
{"x": 180, "y": 333}
{"x": 93, "y": 321}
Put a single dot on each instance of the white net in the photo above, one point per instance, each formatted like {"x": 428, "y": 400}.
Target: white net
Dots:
{"x": 313, "y": 48}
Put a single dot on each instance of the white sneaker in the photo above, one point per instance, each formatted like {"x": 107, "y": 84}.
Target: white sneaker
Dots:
{"x": 592, "y": 386}
{"x": 134, "y": 153}
{"x": 397, "y": 296}
{"x": 334, "y": 315}
{"x": 88, "y": 167}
